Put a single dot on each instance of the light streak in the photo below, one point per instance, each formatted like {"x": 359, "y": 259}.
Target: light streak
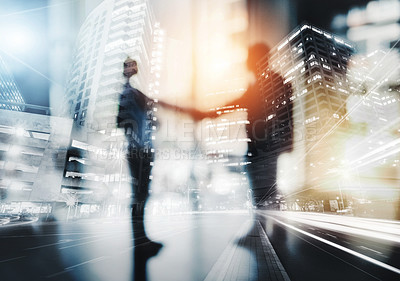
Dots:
{"x": 354, "y": 107}
{"x": 337, "y": 246}
{"x": 344, "y": 117}
{"x": 30, "y": 67}
{"x": 36, "y": 9}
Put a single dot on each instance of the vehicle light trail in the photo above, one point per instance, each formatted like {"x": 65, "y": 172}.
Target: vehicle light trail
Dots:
{"x": 351, "y": 252}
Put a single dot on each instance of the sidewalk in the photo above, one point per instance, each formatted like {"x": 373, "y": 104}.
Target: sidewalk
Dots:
{"x": 249, "y": 257}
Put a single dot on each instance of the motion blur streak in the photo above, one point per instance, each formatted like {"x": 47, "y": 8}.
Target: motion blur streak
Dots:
{"x": 366, "y": 227}
{"x": 352, "y": 252}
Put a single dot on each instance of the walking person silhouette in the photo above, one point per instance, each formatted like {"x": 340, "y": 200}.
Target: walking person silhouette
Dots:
{"x": 133, "y": 117}
{"x": 268, "y": 139}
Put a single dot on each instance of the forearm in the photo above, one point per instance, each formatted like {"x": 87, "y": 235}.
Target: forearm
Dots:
{"x": 194, "y": 113}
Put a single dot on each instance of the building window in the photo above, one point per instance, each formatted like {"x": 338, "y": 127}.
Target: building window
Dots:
{"x": 83, "y": 114}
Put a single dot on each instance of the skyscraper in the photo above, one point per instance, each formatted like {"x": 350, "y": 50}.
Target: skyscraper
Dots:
{"x": 374, "y": 111}
{"x": 33, "y": 151}
{"x": 111, "y": 32}
{"x": 9, "y": 91}
{"x": 372, "y": 150}
{"x": 306, "y": 107}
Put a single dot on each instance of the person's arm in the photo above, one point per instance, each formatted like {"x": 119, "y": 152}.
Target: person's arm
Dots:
{"x": 194, "y": 113}
{"x": 241, "y": 101}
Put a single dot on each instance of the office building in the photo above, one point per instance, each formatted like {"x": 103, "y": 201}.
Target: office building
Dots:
{"x": 33, "y": 149}
{"x": 111, "y": 32}
{"x": 9, "y": 91}
{"x": 344, "y": 112}
{"x": 372, "y": 149}
{"x": 305, "y": 89}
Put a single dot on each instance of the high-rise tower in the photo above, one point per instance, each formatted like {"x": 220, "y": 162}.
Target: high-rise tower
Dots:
{"x": 9, "y": 91}
{"x": 111, "y": 32}
{"x": 306, "y": 107}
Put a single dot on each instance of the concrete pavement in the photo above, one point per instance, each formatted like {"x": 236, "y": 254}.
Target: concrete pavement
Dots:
{"x": 263, "y": 264}
{"x": 212, "y": 246}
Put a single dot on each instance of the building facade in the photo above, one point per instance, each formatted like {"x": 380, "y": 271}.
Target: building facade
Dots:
{"x": 374, "y": 111}
{"x": 371, "y": 150}
{"x": 305, "y": 87}
{"x": 33, "y": 149}
{"x": 113, "y": 31}
{"x": 9, "y": 91}
{"x": 332, "y": 116}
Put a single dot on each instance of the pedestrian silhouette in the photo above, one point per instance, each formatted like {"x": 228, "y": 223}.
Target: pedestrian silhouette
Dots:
{"x": 268, "y": 138}
{"x": 135, "y": 117}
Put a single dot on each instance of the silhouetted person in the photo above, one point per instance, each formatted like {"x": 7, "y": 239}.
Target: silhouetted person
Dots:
{"x": 267, "y": 138}
{"x": 135, "y": 118}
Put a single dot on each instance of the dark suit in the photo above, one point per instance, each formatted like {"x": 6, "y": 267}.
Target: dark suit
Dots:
{"x": 134, "y": 116}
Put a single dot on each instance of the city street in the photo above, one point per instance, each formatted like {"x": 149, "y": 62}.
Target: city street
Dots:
{"x": 331, "y": 247}
{"x": 102, "y": 249}
{"x": 234, "y": 140}
{"x": 204, "y": 247}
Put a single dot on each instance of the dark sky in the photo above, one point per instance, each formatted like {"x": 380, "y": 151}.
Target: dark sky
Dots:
{"x": 321, "y": 12}
{"x": 32, "y": 59}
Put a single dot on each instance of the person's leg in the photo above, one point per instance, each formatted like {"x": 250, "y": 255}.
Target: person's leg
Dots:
{"x": 261, "y": 174}
{"x": 141, "y": 195}
{"x": 144, "y": 248}
{"x": 134, "y": 162}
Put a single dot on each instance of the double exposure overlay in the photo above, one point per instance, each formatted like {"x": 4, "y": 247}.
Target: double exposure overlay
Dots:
{"x": 199, "y": 140}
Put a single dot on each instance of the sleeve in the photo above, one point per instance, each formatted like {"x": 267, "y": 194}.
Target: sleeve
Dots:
{"x": 121, "y": 110}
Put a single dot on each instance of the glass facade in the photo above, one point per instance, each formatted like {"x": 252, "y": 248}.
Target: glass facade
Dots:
{"x": 305, "y": 88}
{"x": 332, "y": 113}
{"x": 9, "y": 91}
{"x": 111, "y": 32}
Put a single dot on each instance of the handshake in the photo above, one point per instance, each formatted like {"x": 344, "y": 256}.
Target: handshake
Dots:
{"x": 196, "y": 114}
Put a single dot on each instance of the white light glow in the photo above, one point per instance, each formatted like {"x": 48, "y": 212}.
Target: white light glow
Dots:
{"x": 18, "y": 39}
